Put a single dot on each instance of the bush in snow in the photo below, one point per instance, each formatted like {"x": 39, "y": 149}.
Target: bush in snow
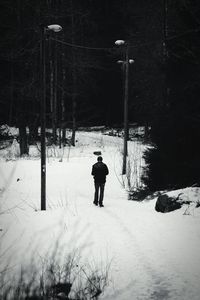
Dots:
{"x": 131, "y": 181}
{"x": 54, "y": 280}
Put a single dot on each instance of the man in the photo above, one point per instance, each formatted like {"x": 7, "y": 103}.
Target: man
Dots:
{"x": 99, "y": 171}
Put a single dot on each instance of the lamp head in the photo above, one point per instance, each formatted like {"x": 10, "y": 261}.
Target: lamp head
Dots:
{"x": 120, "y": 61}
{"x": 54, "y": 27}
{"x": 119, "y": 42}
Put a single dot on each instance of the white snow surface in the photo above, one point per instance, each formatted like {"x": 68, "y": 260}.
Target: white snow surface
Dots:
{"x": 150, "y": 255}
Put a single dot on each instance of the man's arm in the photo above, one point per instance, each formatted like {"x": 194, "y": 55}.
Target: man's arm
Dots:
{"x": 106, "y": 170}
{"x": 92, "y": 170}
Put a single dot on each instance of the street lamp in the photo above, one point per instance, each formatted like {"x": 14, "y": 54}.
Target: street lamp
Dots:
{"x": 125, "y": 63}
{"x": 54, "y": 28}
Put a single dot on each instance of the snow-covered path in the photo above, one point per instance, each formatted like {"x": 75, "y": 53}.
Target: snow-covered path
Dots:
{"x": 151, "y": 255}
{"x": 144, "y": 266}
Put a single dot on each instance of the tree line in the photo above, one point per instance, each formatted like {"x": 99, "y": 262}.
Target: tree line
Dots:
{"x": 84, "y": 85}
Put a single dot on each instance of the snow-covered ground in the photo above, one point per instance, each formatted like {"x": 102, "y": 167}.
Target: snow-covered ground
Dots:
{"x": 150, "y": 255}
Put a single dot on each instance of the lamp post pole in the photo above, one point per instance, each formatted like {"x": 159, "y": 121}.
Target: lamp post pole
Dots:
{"x": 55, "y": 28}
{"x": 125, "y": 63}
{"x": 126, "y": 112}
{"x": 43, "y": 124}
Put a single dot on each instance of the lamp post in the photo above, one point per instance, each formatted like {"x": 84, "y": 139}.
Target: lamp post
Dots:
{"x": 125, "y": 63}
{"x": 55, "y": 28}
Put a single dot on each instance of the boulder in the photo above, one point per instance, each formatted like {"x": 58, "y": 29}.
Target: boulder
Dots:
{"x": 165, "y": 203}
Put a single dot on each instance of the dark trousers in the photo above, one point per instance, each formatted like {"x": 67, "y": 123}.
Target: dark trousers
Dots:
{"x": 97, "y": 197}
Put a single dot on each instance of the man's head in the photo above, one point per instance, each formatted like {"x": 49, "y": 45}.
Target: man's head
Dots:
{"x": 99, "y": 158}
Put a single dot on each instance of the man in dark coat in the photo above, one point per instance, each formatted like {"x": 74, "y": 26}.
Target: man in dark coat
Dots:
{"x": 99, "y": 171}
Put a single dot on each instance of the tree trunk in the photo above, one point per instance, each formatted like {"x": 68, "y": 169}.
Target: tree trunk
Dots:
{"x": 33, "y": 132}
{"x": 73, "y": 121}
{"x": 23, "y": 141}
{"x": 63, "y": 103}
{"x": 146, "y": 131}
{"x": 165, "y": 28}
{"x": 11, "y": 92}
{"x": 73, "y": 80}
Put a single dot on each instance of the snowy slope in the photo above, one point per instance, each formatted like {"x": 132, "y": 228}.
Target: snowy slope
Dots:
{"x": 150, "y": 255}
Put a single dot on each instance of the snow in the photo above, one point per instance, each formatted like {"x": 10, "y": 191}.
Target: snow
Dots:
{"x": 149, "y": 255}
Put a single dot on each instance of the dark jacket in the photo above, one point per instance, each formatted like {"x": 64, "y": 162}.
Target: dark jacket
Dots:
{"x": 99, "y": 171}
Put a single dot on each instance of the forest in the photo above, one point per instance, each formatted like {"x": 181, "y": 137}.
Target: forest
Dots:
{"x": 84, "y": 85}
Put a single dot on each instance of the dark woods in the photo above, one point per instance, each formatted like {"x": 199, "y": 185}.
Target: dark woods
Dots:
{"x": 84, "y": 84}
{"x": 174, "y": 162}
